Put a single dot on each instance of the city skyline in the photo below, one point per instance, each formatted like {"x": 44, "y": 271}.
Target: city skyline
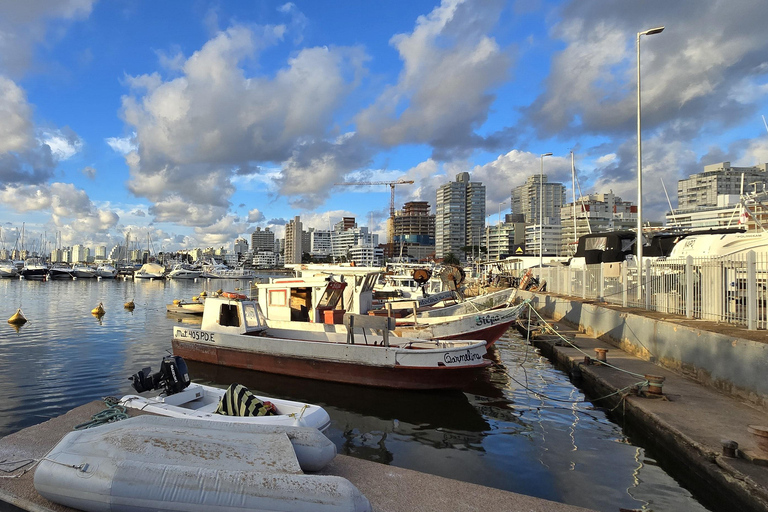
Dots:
{"x": 197, "y": 123}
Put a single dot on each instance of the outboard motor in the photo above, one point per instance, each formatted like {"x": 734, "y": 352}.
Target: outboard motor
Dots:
{"x": 172, "y": 377}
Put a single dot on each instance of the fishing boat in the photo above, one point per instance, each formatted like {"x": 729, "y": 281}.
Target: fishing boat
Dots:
{"x": 310, "y": 300}
{"x": 183, "y": 307}
{"x": 106, "y": 271}
{"x": 234, "y": 332}
{"x": 181, "y": 398}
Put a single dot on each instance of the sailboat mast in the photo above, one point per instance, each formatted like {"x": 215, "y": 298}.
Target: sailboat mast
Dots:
{"x": 573, "y": 190}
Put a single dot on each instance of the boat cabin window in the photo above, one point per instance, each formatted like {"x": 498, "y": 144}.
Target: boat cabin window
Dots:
{"x": 596, "y": 244}
{"x": 228, "y": 316}
{"x": 332, "y": 296}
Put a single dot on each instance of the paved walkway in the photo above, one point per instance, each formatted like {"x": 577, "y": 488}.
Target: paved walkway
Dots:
{"x": 690, "y": 421}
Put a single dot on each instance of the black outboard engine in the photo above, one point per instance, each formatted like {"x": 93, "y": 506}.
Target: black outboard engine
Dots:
{"x": 172, "y": 377}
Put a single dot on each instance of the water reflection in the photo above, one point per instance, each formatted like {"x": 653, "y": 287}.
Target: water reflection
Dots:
{"x": 523, "y": 427}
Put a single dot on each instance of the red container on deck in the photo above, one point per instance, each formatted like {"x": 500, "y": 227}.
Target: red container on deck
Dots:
{"x": 333, "y": 316}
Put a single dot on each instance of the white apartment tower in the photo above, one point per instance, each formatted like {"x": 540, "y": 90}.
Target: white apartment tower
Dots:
{"x": 526, "y": 197}
{"x": 293, "y": 248}
{"x": 459, "y": 216}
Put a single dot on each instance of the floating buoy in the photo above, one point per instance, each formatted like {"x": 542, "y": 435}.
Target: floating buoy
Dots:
{"x": 129, "y": 305}
{"x": 176, "y": 302}
{"x": 219, "y": 291}
{"x": 203, "y": 294}
{"x": 18, "y": 318}
{"x": 98, "y": 310}
{"x": 195, "y": 298}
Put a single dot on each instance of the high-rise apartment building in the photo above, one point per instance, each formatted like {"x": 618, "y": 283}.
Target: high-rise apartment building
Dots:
{"x": 460, "y": 216}
{"x": 293, "y": 241}
{"x": 241, "y": 246}
{"x": 526, "y": 197}
{"x": 414, "y": 230}
{"x": 702, "y": 190}
{"x": 262, "y": 240}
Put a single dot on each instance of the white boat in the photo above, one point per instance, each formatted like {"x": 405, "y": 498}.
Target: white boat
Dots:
{"x": 8, "y": 269}
{"x": 720, "y": 244}
{"x": 315, "y": 304}
{"x": 198, "y": 401}
{"x": 184, "y": 271}
{"x": 235, "y": 333}
{"x": 60, "y": 270}
{"x": 83, "y": 271}
{"x": 158, "y": 463}
{"x": 183, "y": 307}
{"x": 150, "y": 271}
{"x": 215, "y": 270}
{"x": 106, "y": 271}
{"x": 34, "y": 269}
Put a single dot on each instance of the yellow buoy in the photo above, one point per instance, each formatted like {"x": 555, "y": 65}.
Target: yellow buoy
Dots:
{"x": 195, "y": 298}
{"x": 203, "y": 294}
{"x": 176, "y": 302}
{"x": 219, "y": 291}
{"x": 17, "y": 318}
{"x": 129, "y": 305}
{"x": 98, "y": 310}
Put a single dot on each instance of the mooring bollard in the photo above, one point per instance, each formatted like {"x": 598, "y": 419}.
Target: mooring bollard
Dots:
{"x": 655, "y": 383}
{"x": 729, "y": 448}
{"x": 601, "y": 354}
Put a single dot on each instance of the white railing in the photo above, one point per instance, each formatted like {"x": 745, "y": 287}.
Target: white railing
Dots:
{"x": 731, "y": 291}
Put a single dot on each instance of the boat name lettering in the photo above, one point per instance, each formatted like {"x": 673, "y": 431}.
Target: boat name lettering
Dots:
{"x": 467, "y": 357}
{"x": 196, "y": 335}
{"x": 487, "y": 319}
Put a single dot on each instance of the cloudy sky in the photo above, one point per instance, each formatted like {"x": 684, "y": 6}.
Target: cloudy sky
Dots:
{"x": 194, "y": 122}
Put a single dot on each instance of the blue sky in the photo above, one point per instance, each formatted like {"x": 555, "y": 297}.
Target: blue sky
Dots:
{"x": 197, "y": 121}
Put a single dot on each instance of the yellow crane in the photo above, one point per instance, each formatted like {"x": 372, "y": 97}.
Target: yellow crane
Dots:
{"x": 391, "y": 184}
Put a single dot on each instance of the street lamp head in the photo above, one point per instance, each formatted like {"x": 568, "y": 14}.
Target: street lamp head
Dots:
{"x": 651, "y": 32}
{"x": 546, "y": 154}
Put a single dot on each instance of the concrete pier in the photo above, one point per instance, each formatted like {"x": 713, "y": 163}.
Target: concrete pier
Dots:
{"x": 388, "y": 488}
{"x": 693, "y": 422}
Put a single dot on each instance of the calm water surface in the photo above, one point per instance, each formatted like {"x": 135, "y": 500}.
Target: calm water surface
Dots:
{"x": 524, "y": 428}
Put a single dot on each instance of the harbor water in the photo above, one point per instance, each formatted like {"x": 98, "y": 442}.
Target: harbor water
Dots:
{"x": 523, "y": 428}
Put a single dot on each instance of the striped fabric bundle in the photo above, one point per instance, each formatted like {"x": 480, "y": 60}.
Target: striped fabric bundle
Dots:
{"x": 238, "y": 401}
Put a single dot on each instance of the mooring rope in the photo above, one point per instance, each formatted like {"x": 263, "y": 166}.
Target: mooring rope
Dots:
{"x": 113, "y": 412}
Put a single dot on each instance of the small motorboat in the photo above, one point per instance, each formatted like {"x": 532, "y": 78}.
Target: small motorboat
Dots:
{"x": 198, "y": 401}
{"x": 83, "y": 271}
{"x": 150, "y": 271}
{"x": 106, "y": 271}
{"x": 183, "y": 307}
{"x": 182, "y": 271}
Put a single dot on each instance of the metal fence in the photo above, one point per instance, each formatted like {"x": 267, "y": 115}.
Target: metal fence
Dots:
{"x": 732, "y": 291}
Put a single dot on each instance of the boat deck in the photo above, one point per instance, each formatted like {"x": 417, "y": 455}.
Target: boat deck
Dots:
{"x": 388, "y": 488}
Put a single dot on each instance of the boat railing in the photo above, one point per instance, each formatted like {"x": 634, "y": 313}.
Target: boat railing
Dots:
{"x": 363, "y": 322}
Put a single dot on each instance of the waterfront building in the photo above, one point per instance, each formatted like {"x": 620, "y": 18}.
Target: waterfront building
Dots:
{"x": 100, "y": 252}
{"x": 293, "y": 241}
{"x": 507, "y": 238}
{"x": 320, "y": 243}
{"x": 364, "y": 255}
{"x": 595, "y": 213}
{"x": 550, "y": 234}
{"x": 414, "y": 231}
{"x": 459, "y": 216}
{"x": 264, "y": 259}
{"x": 241, "y": 246}
{"x": 342, "y": 241}
{"x": 525, "y": 199}
{"x": 702, "y": 190}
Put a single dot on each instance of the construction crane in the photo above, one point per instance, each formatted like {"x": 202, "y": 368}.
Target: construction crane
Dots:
{"x": 392, "y": 184}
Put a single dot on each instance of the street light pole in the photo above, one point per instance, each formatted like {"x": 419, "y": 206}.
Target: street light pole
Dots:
{"x": 541, "y": 210}
{"x": 639, "y": 242}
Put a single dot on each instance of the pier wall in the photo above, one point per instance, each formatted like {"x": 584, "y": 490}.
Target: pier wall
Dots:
{"x": 733, "y": 365}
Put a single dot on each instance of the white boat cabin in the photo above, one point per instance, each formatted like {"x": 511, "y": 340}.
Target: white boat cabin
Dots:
{"x": 232, "y": 316}
{"x": 319, "y": 299}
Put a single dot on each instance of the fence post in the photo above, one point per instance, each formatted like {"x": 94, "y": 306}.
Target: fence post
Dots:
{"x": 751, "y": 291}
{"x": 601, "y": 283}
{"x": 647, "y": 290}
{"x": 624, "y": 284}
{"x": 584, "y": 282}
{"x": 568, "y": 283}
{"x": 689, "y": 286}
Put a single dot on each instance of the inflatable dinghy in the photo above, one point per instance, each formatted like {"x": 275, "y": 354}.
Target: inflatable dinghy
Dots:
{"x": 160, "y": 463}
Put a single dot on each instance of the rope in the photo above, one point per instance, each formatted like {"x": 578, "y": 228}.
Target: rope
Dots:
{"x": 566, "y": 340}
{"x": 112, "y": 413}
